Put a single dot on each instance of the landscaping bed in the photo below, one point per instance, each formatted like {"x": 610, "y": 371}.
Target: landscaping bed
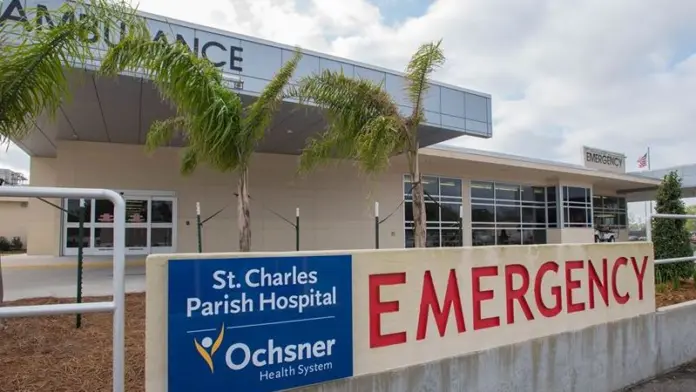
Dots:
{"x": 667, "y": 294}
{"x": 42, "y": 354}
{"x": 49, "y": 354}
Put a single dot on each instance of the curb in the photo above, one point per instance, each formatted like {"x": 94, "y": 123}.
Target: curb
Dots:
{"x": 88, "y": 265}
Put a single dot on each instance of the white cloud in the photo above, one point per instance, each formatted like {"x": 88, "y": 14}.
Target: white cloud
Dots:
{"x": 562, "y": 74}
{"x": 11, "y": 157}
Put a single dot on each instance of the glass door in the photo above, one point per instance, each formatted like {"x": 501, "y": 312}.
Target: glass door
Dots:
{"x": 103, "y": 227}
{"x": 71, "y": 227}
{"x": 150, "y": 226}
{"x": 137, "y": 222}
{"x": 162, "y": 230}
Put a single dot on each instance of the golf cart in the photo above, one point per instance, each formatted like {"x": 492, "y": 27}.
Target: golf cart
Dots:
{"x": 604, "y": 234}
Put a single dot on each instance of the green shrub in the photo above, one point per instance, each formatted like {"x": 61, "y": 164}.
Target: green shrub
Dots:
{"x": 17, "y": 243}
{"x": 5, "y": 245}
{"x": 670, "y": 237}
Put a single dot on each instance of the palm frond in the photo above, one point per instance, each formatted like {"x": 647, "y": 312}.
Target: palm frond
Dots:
{"x": 330, "y": 144}
{"x": 259, "y": 115}
{"x": 424, "y": 62}
{"x": 372, "y": 147}
{"x": 380, "y": 138}
{"x": 364, "y": 121}
{"x": 162, "y": 131}
{"x": 189, "y": 161}
{"x": 34, "y": 60}
{"x": 195, "y": 87}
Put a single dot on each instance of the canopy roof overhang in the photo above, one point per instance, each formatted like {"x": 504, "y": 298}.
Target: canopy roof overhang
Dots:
{"x": 687, "y": 173}
{"x": 121, "y": 110}
{"x": 541, "y": 170}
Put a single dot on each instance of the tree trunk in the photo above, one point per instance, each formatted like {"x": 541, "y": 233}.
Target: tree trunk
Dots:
{"x": 418, "y": 196}
{"x": 243, "y": 212}
{"x": 2, "y": 291}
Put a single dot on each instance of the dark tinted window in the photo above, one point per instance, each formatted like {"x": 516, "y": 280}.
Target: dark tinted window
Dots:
{"x": 450, "y": 187}
{"x": 507, "y": 192}
{"x": 483, "y": 237}
{"x": 482, "y": 190}
{"x": 575, "y": 194}
{"x": 507, "y": 214}
{"x": 481, "y": 213}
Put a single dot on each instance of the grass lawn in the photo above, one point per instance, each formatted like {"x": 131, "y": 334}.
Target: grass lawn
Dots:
{"x": 49, "y": 354}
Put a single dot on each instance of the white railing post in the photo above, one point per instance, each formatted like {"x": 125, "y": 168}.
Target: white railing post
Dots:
{"x": 117, "y": 305}
{"x": 119, "y": 360}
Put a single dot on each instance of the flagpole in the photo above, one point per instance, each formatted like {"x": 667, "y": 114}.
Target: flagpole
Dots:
{"x": 649, "y": 168}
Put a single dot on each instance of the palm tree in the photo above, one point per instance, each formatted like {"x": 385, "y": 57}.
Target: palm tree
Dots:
{"x": 218, "y": 130}
{"x": 364, "y": 123}
{"x": 33, "y": 61}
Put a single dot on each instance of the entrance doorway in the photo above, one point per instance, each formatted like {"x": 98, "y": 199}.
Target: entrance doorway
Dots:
{"x": 150, "y": 225}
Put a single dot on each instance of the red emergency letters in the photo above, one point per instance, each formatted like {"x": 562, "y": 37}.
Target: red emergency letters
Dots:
{"x": 528, "y": 291}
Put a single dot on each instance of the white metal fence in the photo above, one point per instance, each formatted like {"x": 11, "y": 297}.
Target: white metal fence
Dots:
{"x": 117, "y": 305}
{"x": 648, "y": 230}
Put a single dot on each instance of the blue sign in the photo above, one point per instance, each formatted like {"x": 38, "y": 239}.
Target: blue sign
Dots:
{"x": 259, "y": 324}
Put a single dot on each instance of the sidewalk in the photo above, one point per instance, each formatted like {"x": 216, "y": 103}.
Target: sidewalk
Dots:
{"x": 681, "y": 379}
{"x": 33, "y": 277}
{"x": 23, "y": 261}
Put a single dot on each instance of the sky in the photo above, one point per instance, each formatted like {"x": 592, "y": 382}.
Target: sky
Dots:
{"x": 618, "y": 75}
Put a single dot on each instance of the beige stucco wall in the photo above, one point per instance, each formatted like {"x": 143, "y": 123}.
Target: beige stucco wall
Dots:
{"x": 336, "y": 202}
{"x": 43, "y": 221}
{"x": 554, "y": 236}
{"x": 14, "y": 213}
{"x": 577, "y": 235}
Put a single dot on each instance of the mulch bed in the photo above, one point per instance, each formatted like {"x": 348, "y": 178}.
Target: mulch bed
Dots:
{"x": 667, "y": 294}
{"x": 48, "y": 354}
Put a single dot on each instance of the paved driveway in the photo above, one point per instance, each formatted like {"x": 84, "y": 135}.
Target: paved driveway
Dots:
{"x": 680, "y": 380}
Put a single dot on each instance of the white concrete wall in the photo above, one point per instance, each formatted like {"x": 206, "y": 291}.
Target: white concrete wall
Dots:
{"x": 601, "y": 358}
{"x": 558, "y": 301}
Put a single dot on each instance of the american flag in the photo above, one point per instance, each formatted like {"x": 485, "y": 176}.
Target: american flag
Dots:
{"x": 643, "y": 161}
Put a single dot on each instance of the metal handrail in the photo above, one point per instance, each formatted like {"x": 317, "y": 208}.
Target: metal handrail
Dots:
{"x": 648, "y": 233}
{"x": 117, "y": 305}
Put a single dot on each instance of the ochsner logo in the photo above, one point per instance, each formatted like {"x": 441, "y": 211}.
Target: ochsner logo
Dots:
{"x": 270, "y": 354}
{"x": 207, "y": 349}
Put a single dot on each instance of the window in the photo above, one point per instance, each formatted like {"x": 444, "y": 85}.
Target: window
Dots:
{"x": 507, "y": 192}
{"x": 482, "y": 213}
{"x": 533, "y": 194}
{"x": 150, "y": 225}
{"x": 577, "y": 207}
{"x": 552, "y": 206}
{"x": 443, "y": 203}
{"x": 482, "y": 190}
{"x": 508, "y": 214}
{"x": 610, "y": 212}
